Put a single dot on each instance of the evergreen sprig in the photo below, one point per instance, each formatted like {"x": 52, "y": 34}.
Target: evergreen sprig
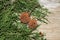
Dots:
{"x": 11, "y": 27}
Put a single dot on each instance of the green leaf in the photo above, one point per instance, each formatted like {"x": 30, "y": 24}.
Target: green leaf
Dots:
{"x": 2, "y": 38}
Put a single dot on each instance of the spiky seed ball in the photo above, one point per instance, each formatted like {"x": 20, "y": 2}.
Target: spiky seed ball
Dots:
{"x": 25, "y": 17}
{"x": 32, "y": 23}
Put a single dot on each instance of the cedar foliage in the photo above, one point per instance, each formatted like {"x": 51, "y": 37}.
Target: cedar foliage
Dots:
{"x": 11, "y": 27}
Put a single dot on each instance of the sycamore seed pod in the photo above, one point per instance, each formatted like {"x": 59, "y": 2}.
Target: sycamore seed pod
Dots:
{"x": 25, "y": 17}
{"x": 32, "y": 23}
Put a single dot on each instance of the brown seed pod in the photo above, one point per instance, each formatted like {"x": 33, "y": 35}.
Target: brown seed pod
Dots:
{"x": 25, "y": 17}
{"x": 41, "y": 34}
{"x": 32, "y": 24}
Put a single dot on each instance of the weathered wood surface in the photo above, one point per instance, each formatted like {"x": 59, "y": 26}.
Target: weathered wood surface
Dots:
{"x": 52, "y": 29}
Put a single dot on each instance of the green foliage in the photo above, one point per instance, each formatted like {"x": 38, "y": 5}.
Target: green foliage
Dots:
{"x": 10, "y": 26}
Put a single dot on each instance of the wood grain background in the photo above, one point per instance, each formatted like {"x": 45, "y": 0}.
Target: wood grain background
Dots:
{"x": 52, "y": 29}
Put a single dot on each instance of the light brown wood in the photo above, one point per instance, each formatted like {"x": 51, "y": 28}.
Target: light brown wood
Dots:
{"x": 52, "y": 29}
